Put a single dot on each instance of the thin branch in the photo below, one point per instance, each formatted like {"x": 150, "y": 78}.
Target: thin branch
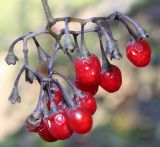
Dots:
{"x": 141, "y": 32}
{"x": 47, "y": 12}
{"x": 51, "y": 63}
{"x": 52, "y": 103}
{"x": 14, "y": 43}
{"x": 67, "y": 98}
{"x": 105, "y": 63}
{"x": 38, "y": 107}
{"x": 18, "y": 76}
{"x": 76, "y": 91}
{"x": 36, "y": 74}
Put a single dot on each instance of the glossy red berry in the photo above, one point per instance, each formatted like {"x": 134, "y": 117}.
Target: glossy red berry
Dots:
{"x": 57, "y": 97}
{"x": 87, "y": 102}
{"x": 111, "y": 79}
{"x": 58, "y": 126}
{"x": 139, "y": 53}
{"x": 92, "y": 89}
{"x": 79, "y": 120}
{"x": 44, "y": 133}
{"x": 87, "y": 69}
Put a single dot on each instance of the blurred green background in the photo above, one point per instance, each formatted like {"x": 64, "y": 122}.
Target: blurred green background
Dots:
{"x": 127, "y": 118}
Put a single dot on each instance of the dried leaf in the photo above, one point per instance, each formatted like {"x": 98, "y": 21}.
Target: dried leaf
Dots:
{"x": 112, "y": 49}
{"x": 29, "y": 76}
{"x": 14, "y": 97}
{"x": 11, "y": 58}
{"x": 33, "y": 122}
{"x": 43, "y": 56}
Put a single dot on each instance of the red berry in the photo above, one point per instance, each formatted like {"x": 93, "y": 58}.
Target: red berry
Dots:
{"x": 58, "y": 127}
{"x": 87, "y": 102}
{"x": 139, "y": 53}
{"x": 87, "y": 69}
{"x": 79, "y": 120}
{"x": 92, "y": 89}
{"x": 44, "y": 133}
{"x": 111, "y": 79}
{"x": 57, "y": 97}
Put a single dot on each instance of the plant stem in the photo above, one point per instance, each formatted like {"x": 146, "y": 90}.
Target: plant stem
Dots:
{"x": 141, "y": 32}
{"x": 76, "y": 91}
{"x": 47, "y": 12}
{"x": 14, "y": 43}
{"x": 68, "y": 43}
{"x": 109, "y": 41}
{"x": 36, "y": 74}
{"x": 52, "y": 104}
{"x": 105, "y": 62}
{"x": 38, "y": 107}
{"x": 127, "y": 26}
{"x": 18, "y": 76}
{"x": 76, "y": 43}
{"x": 83, "y": 50}
{"x": 44, "y": 104}
{"x": 67, "y": 98}
{"x": 51, "y": 63}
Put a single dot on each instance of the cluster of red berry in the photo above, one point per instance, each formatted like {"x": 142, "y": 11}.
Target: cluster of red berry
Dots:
{"x": 89, "y": 74}
{"x": 60, "y": 124}
{"x": 57, "y": 115}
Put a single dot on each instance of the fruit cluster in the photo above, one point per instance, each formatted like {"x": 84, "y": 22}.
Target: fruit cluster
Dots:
{"x": 57, "y": 114}
{"x": 65, "y": 120}
{"x": 76, "y": 115}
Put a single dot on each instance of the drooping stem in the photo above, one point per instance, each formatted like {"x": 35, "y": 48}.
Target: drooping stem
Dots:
{"x": 108, "y": 29}
{"x": 18, "y": 77}
{"x": 111, "y": 43}
{"x": 14, "y": 43}
{"x": 105, "y": 63}
{"x": 43, "y": 56}
{"x": 44, "y": 104}
{"x": 76, "y": 91}
{"x": 52, "y": 104}
{"x": 68, "y": 43}
{"x": 76, "y": 42}
{"x": 51, "y": 63}
{"x": 36, "y": 74}
{"x": 47, "y": 12}
{"x": 65, "y": 94}
{"x": 141, "y": 32}
{"x": 25, "y": 51}
{"x": 127, "y": 26}
{"x": 70, "y": 56}
{"x": 14, "y": 96}
{"x": 38, "y": 107}
{"x": 83, "y": 50}
{"x": 82, "y": 36}
{"x": 106, "y": 34}
{"x": 102, "y": 29}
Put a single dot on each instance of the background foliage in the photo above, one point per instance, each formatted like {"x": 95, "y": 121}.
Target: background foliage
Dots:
{"x": 127, "y": 118}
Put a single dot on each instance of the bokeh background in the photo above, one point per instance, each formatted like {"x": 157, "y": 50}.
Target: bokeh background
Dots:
{"x": 127, "y": 118}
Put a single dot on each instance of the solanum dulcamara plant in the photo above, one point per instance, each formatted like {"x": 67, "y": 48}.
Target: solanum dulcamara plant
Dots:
{"x": 57, "y": 114}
